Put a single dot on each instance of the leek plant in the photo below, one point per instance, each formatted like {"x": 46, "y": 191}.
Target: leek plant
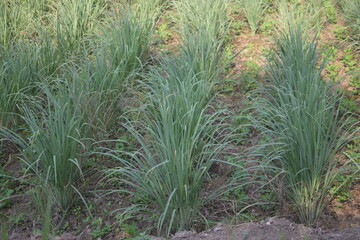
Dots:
{"x": 127, "y": 40}
{"x": 204, "y": 28}
{"x": 14, "y": 21}
{"x": 41, "y": 10}
{"x": 22, "y": 65}
{"x": 308, "y": 12}
{"x": 178, "y": 149}
{"x": 76, "y": 20}
{"x": 19, "y": 71}
{"x": 254, "y": 11}
{"x": 97, "y": 90}
{"x": 207, "y": 16}
{"x": 181, "y": 139}
{"x": 300, "y": 114}
{"x": 316, "y": 12}
{"x": 149, "y": 11}
{"x": 51, "y": 59}
{"x": 54, "y": 149}
{"x": 205, "y": 56}
{"x": 351, "y": 10}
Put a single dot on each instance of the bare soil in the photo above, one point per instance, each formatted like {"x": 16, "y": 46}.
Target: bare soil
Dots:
{"x": 271, "y": 229}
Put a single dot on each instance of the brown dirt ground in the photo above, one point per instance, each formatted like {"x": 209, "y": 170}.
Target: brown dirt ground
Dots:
{"x": 271, "y": 229}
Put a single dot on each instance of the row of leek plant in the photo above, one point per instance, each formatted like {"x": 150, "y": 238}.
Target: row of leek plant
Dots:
{"x": 179, "y": 131}
{"x": 21, "y": 66}
{"x": 59, "y": 117}
{"x": 300, "y": 113}
{"x": 255, "y": 10}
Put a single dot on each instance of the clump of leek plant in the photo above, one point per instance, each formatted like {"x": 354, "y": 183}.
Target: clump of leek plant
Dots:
{"x": 15, "y": 20}
{"x": 351, "y": 10}
{"x": 204, "y": 28}
{"x": 254, "y": 11}
{"x": 300, "y": 114}
{"x": 22, "y": 65}
{"x": 19, "y": 71}
{"x": 54, "y": 149}
{"x": 181, "y": 138}
{"x": 210, "y": 16}
{"x": 96, "y": 89}
{"x": 127, "y": 40}
{"x": 203, "y": 54}
{"x": 308, "y": 12}
{"x": 75, "y": 21}
{"x": 178, "y": 149}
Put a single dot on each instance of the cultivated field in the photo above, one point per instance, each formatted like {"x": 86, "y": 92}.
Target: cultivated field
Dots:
{"x": 184, "y": 119}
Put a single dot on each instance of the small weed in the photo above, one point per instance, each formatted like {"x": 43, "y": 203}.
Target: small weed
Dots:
{"x": 99, "y": 228}
{"x": 343, "y": 194}
{"x": 248, "y": 83}
{"x": 330, "y": 11}
{"x": 125, "y": 142}
{"x": 4, "y": 227}
{"x": 282, "y": 236}
{"x": 142, "y": 236}
{"x": 245, "y": 235}
{"x": 340, "y": 33}
{"x": 237, "y": 195}
{"x": 333, "y": 71}
{"x": 164, "y": 32}
{"x": 252, "y": 67}
{"x": 246, "y": 217}
{"x": 5, "y": 191}
{"x": 228, "y": 55}
{"x": 76, "y": 210}
{"x": 131, "y": 229}
{"x": 248, "y": 50}
{"x": 236, "y": 26}
{"x": 87, "y": 219}
{"x": 268, "y": 26}
{"x": 344, "y": 197}
{"x": 64, "y": 227}
{"x": 355, "y": 82}
{"x": 345, "y": 182}
{"x": 268, "y": 197}
{"x": 348, "y": 103}
{"x": 349, "y": 60}
{"x": 242, "y": 125}
{"x": 330, "y": 52}
{"x": 248, "y": 78}
{"x": 227, "y": 86}
{"x": 352, "y": 149}
{"x": 17, "y": 219}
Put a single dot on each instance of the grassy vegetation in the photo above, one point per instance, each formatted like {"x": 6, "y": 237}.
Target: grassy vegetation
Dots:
{"x": 180, "y": 144}
{"x": 14, "y": 21}
{"x": 301, "y": 114}
{"x": 254, "y": 11}
{"x": 20, "y": 70}
{"x": 351, "y": 10}
{"x": 127, "y": 41}
{"x": 53, "y": 149}
{"x": 76, "y": 74}
{"x": 210, "y": 17}
{"x": 75, "y": 21}
{"x": 178, "y": 150}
